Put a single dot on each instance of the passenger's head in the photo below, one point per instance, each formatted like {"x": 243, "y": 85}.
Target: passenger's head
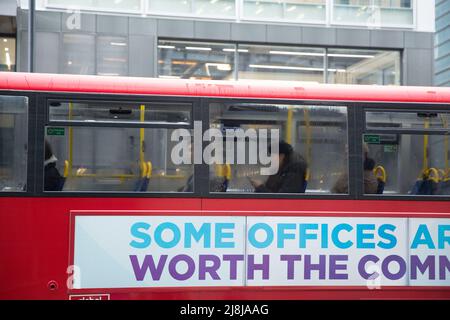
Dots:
{"x": 48, "y": 150}
{"x": 284, "y": 152}
{"x": 369, "y": 164}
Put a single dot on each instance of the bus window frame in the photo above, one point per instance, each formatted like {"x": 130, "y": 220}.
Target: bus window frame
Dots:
{"x": 398, "y": 107}
{"x": 303, "y": 196}
{"x": 431, "y": 131}
{"x": 43, "y": 102}
{"x": 118, "y": 124}
{"x": 31, "y": 120}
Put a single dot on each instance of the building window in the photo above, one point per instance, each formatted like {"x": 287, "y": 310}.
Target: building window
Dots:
{"x": 363, "y": 67}
{"x": 101, "y": 55}
{"x": 225, "y": 8}
{"x": 78, "y": 54}
{"x": 215, "y": 61}
{"x": 373, "y": 12}
{"x": 289, "y": 10}
{"x": 281, "y": 63}
{"x": 131, "y": 6}
{"x": 7, "y": 54}
{"x": 112, "y": 56}
{"x": 196, "y": 60}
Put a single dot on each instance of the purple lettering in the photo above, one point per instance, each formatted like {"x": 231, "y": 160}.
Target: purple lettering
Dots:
{"x": 148, "y": 263}
{"x": 334, "y": 267}
{"x": 233, "y": 258}
{"x": 290, "y": 259}
{"x": 173, "y": 264}
{"x": 362, "y": 267}
{"x": 318, "y": 267}
{"x": 385, "y": 267}
{"x": 429, "y": 264}
{"x": 252, "y": 267}
{"x": 203, "y": 269}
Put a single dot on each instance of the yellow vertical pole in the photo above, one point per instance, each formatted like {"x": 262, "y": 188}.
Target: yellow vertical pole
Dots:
{"x": 141, "y": 137}
{"x": 445, "y": 122}
{"x": 70, "y": 142}
{"x": 425, "y": 146}
{"x": 288, "y": 135}
{"x": 308, "y": 141}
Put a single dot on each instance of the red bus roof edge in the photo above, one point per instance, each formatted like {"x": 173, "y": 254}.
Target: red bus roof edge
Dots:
{"x": 213, "y": 88}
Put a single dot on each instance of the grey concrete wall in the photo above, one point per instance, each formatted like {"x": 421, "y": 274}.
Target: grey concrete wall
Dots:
{"x": 142, "y": 35}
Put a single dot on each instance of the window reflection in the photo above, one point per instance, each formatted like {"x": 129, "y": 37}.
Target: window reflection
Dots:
{"x": 281, "y": 63}
{"x": 317, "y": 136}
{"x": 290, "y": 10}
{"x": 373, "y": 12}
{"x": 13, "y": 143}
{"x": 363, "y": 67}
{"x": 195, "y": 60}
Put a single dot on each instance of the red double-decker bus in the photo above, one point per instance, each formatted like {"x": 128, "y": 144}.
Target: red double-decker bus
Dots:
{"x": 134, "y": 188}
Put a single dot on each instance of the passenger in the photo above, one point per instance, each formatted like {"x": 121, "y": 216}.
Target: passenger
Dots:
{"x": 370, "y": 181}
{"x": 291, "y": 175}
{"x": 53, "y": 181}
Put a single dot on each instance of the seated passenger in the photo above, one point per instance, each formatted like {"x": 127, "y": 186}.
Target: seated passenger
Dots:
{"x": 291, "y": 175}
{"x": 370, "y": 181}
{"x": 53, "y": 181}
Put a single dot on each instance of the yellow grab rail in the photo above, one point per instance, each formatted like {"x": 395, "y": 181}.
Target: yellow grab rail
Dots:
{"x": 380, "y": 173}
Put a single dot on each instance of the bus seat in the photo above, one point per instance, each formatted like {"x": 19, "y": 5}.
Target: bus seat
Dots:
{"x": 380, "y": 174}
{"x": 144, "y": 179}
{"x": 427, "y": 184}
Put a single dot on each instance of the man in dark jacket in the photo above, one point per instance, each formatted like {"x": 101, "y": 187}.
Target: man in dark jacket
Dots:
{"x": 291, "y": 175}
{"x": 53, "y": 181}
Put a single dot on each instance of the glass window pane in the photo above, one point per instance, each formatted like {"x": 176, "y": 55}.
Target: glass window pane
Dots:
{"x": 78, "y": 54}
{"x": 121, "y": 112}
{"x": 13, "y": 143}
{"x": 266, "y": 9}
{"x": 281, "y": 63}
{"x": 7, "y": 54}
{"x": 309, "y": 137}
{"x": 290, "y": 10}
{"x": 170, "y": 6}
{"x": 373, "y": 12}
{"x": 112, "y": 56}
{"x": 413, "y": 164}
{"x": 305, "y": 10}
{"x": 116, "y": 5}
{"x": 224, "y": 8}
{"x": 421, "y": 120}
{"x": 195, "y": 60}
{"x": 348, "y": 66}
{"x": 113, "y": 160}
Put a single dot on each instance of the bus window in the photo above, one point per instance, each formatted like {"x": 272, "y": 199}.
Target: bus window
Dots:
{"x": 120, "y": 112}
{"x": 413, "y": 163}
{"x": 312, "y": 143}
{"x": 13, "y": 143}
{"x": 116, "y": 147}
{"x": 420, "y": 120}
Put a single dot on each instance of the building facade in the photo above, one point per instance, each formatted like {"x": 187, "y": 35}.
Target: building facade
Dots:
{"x": 387, "y": 42}
{"x": 442, "y": 43}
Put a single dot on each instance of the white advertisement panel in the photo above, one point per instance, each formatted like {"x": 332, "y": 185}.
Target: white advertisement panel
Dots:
{"x": 325, "y": 251}
{"x": 158, "y": 251}
{"x": 140, "y": 251}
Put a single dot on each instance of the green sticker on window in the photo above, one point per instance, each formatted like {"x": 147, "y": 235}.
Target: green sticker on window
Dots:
{"x": 390, "y": 148}
{"x": 52, "y": 131}
{"x": 372, "y": 138}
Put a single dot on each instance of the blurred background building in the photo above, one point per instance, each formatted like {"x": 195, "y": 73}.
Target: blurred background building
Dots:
{"x": 387, "y": 42}
{"x": 442, "y": 43}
